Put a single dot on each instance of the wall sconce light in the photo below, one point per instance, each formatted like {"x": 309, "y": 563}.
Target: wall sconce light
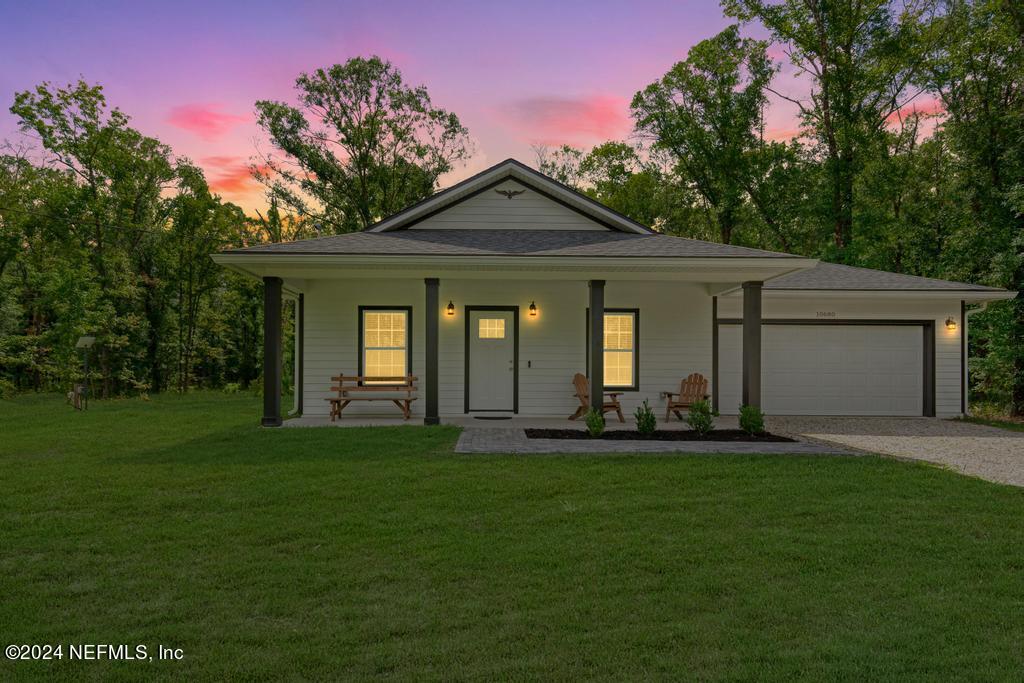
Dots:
{"x": 950, "y": 323}
{"x": 533, "y": 309}
{"x": 451, "y": 308}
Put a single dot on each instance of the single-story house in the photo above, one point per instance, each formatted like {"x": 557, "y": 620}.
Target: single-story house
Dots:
{"x": 495, "y": 292}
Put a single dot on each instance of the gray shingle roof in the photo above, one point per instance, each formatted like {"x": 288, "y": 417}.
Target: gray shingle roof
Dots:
{"x": 835, "y": 276}
{"x": 510, "y": 243}
{"x": 825, "y": 276}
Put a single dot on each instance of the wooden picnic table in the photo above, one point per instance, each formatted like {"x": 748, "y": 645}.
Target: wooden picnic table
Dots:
{"x": 351, "y": 388}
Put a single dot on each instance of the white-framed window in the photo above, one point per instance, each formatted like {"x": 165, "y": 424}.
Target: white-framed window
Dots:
{"x": 620, "y": 349}
{"x": 385, "y": 342}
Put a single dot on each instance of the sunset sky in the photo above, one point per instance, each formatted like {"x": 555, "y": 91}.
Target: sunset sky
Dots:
{"x": 516, "y": 74}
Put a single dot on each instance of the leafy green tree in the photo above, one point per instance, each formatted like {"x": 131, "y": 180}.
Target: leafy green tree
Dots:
{"x": 862, "y": 57}
{"x": 780, "y": 184}
{"x": 562, "y": 164}
{"x": 103, "y": 232}
{"x": 979, "y": 75}
{"x": 360, "y": 145}
{"x": 120, "y": 176}
{"x": 705, "y": 112}
{"x": 615, "y": 174}
{"x": 200, "y": 224}
{"x": 21, "y": 189}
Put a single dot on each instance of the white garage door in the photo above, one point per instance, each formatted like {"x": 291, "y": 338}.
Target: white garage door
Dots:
{"x": 828, "y": 369}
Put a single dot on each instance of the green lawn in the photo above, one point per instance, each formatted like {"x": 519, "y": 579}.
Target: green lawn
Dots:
{"x": 365, "y": 553}
{"x": 1014, "y": 426}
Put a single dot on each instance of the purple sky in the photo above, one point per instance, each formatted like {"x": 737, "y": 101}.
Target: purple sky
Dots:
{"x": 517, "y": 74}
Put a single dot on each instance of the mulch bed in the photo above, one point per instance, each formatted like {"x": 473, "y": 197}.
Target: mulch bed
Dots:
{"x": 658, "y": 435}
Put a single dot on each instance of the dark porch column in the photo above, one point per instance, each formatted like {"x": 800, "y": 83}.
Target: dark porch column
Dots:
{"x": 751, "y": 344}
{"x": 271, "y": 352}
{"x": 300, "y": 350}
{"x": 596, "y": 370}
{"x": 432, "y": 314}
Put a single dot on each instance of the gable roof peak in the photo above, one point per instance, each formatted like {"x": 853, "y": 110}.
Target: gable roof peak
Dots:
{"x": 511, "y": 169}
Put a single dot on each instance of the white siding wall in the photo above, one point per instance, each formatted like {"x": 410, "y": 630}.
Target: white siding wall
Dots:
{"x": 947, "y": 342}
{"x": 675, "y": 337}
{"x": 492, "y": 211}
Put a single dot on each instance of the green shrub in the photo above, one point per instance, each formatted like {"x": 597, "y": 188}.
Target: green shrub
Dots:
{"x": 7, "y": 388}
{"x": 232, "y": 388}
{"x": 595, "y": 422}
{"x": 646, "y": 422}
{"x": 751, "y": 420}
{"x": 701, "y": 418}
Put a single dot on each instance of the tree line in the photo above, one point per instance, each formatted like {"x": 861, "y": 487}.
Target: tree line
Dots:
{"x": 910, "y": 158}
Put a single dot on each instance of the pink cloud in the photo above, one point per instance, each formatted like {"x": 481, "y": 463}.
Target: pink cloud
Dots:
{"x": 568, "y": 119}
{"x": 782, "y": 134}
{"x": 230, "y": 175}
{"x": 205, "y": 120}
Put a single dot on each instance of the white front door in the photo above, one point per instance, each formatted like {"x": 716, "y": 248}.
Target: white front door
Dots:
{"x": 492, "y": 369}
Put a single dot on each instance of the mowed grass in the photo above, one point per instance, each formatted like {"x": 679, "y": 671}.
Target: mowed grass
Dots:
{"x": 368, "y": 553}
{"x": 1013, "y": 425}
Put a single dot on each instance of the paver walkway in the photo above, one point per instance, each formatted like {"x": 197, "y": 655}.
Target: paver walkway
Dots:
{"x": 978, "y": 450}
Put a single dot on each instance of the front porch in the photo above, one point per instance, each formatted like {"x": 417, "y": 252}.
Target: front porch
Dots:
{"x": 638, "y": 334}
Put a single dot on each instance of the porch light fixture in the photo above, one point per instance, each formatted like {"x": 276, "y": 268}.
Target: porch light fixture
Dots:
{"x": 533, "y": 309}
{"x": 451, "y": 308}
{"x": 950, "y": 323}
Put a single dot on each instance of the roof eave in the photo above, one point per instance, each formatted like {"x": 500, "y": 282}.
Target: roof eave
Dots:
{"x": 791, "y": 263}
{"x": 972, "y": 295}
{"x": 710, "y": 269}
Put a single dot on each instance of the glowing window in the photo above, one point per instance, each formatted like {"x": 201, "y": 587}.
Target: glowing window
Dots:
{"x": 619, "y": 349}
{"x": 492, "y": 328}
{"x": 385, "y": 343}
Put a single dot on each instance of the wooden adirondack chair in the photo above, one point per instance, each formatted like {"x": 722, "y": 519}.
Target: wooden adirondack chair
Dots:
{"x": 608, "y": 405}
{"x": 692, "y": 389}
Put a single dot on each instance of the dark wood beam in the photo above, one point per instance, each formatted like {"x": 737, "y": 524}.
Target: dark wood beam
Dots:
{"x": 751, "y": 344}
{"x": 272, "y": 359}
{"x": 300, "y": 350}
{"x": 596, "y": 370}
{"x": 433, "y": 312}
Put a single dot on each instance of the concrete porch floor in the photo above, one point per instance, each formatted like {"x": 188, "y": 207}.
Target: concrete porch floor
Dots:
{"x": 516, "y": 422}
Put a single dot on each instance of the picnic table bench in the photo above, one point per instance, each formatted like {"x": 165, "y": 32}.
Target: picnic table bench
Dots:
{"x": 368, "y": 388}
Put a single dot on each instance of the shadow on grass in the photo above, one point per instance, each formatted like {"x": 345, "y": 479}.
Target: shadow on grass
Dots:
{"x": 246, "y": 445}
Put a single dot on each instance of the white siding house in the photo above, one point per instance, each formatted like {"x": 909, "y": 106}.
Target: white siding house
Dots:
{"x": 483, "y": 292}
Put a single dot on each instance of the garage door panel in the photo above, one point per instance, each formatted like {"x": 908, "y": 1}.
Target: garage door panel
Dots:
{"x": 828, "y": 369}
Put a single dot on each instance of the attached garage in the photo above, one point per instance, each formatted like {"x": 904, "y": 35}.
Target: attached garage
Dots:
{"x": 834, "y": 368}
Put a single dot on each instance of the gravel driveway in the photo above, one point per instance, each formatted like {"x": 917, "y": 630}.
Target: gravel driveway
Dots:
{"x": 987, "y": 452}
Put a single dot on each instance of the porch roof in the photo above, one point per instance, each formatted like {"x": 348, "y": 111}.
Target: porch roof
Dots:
{"x": 525, "y": 243}
{"x": 833, "y": 276}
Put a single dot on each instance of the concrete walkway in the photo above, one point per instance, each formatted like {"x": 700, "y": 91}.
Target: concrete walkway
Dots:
{"x": 514, "y": 440}
{"x": 977, "y": 450}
